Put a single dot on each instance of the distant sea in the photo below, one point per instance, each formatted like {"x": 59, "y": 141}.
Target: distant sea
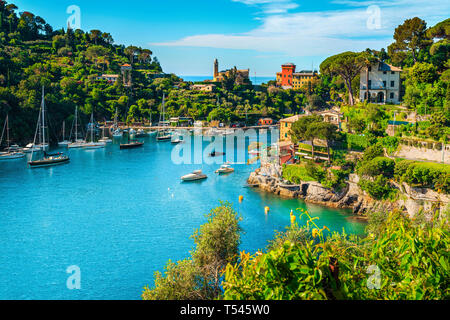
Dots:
{"x": 254, "y": 80}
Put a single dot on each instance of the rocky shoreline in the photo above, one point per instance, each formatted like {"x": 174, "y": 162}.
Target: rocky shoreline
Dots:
{"x": 351, "y": 197}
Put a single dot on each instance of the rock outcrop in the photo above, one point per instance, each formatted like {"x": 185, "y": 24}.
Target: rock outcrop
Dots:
{"x": 412, "y": 200}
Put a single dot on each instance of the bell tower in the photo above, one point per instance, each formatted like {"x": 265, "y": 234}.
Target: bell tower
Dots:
{"x": 216, "y": 69}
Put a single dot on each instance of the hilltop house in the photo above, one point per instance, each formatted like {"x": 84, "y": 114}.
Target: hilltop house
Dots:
{"x": 380, "y": 83}
{"x": 289, "y": 79}
{"x": 242, "y": 76}
{"x": 111, "y": 78}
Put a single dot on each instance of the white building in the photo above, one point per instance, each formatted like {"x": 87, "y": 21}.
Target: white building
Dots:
{"x": 383, "y": 83}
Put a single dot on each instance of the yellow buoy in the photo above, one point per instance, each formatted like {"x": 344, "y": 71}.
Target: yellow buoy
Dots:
{"x": 266, "y": 210}
{"x": 292, "y": 219}
{"x": 292, "y": 213}
{"x": 241, "y": 198}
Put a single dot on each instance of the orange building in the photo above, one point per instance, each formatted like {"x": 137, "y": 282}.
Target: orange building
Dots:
{"x": 265, "y": 122}
{"x": 289, "y": 79}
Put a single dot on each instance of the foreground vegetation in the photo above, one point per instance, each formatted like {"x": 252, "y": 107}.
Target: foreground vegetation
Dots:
{"x": 398, "y": 259}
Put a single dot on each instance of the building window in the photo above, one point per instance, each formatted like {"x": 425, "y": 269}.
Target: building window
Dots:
{"x": 384, "y": 72}
{"x": 384, "y": 84}
{"x": 391, "y": 95}
{"x": 370, "y": 69}
{"x": 285, "y": 135}
{"x": 370, "y": 84}
{"x": 285, "y": 125}
{"x": 392, "y": 83}
{"x": 392, "y": 72}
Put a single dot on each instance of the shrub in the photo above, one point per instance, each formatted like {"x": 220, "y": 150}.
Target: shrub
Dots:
{"x": 378, "y": 166}
{"x": 378, "y": 189}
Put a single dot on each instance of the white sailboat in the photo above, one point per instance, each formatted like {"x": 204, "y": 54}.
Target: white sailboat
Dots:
{"x": 117, "y": 133}
{"x": 93, "y": 144}
{"x": 77, "y": 143}
{"x": 10, "y": 154}
{"x": 65, "y": 142}
{"x": 163, "y": 134}
{"x": 104, "y": 138}
{"x": 46, "y": 159}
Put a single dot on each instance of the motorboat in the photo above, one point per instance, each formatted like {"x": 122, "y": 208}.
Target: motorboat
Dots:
{"x": 29, "y": 148}
{"x": 140, "y": 133}
{"x": 254, "y": 152}
{"x": 216, "y": 154}
{"x": 176, "y": 141}
{"x": 196, "y": 175}
{"x": 131, "y": 144}
{"x": 117, "y": 133}
{"x": 225, "y": 168}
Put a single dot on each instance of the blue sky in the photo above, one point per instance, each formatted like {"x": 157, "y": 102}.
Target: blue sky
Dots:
{"x": 187, "y": 36}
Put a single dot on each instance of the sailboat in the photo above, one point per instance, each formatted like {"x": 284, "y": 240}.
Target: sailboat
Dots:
{"x": 93, "y": 144}
{"x": 65, "y": 142}
{"x": 47, "y": 159}
{"x": 163, "y": 134}
{"x": 78, "y": 143}
{"x": 9, "y": 154}
{"x": 104, "y": 138}
{"x": 117, "y": 133}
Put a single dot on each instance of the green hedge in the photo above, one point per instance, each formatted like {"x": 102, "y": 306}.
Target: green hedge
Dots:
{"x": 425, "y": 174}
{"x": 356, "y": 142}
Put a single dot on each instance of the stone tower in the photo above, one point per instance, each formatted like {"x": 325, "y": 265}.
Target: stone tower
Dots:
{"x": 216, "y": 69}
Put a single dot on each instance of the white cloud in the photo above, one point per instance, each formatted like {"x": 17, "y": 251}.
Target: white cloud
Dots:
{"x": 321, "y": 33}
{"x": 271, "y": 6}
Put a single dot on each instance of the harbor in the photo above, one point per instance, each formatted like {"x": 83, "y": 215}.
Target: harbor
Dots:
{"x": 120, "y": 215}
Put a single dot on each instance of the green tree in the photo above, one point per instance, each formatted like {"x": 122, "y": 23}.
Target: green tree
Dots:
{"x": 409, "y": 37}
{"x": 200, "y": 277}
{"x": 347, "y": 65}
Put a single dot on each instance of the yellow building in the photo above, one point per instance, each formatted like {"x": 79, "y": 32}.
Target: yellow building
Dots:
{"x": 289, "y": 79}
{"x": 285, "y": 127}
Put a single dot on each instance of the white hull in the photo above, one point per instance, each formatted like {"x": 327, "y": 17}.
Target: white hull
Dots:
{"x": 105, "y": 140}
{"x": 12, "y": 156}
{"x": 196, "y": 175}
{"x": 94, "y": 145}
{"x": 64, "y": 143}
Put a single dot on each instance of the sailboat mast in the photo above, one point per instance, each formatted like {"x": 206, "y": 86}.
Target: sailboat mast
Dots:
{"x": 76, "y": 123}
{"x": 7, "y": 130}
{"x": 92, "y": 126}
{"x": 64, "y": 130}
{"x": 43, "y": 118}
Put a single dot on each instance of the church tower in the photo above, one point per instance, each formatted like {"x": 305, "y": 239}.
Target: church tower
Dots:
{"x": 216, "y": 69}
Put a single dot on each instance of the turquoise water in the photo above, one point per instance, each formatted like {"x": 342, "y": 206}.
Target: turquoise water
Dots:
{"x": 119, "y": 215}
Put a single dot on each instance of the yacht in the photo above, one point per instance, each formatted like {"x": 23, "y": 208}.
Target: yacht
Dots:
{"x": 163, "y": 134}
{"x": 64, "y": 142}
{"x": 78, "y": 143}
{"x": 225, "y": 168}
{"x": 12, "y": 152}
{"x": 47, "y": 159}
{"x": 117, "y": 133}
{"x": 93, "y": 144}
{"x": 196, "y": 175}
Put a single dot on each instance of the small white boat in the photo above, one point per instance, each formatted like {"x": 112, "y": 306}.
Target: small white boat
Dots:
{"x": 225, "y": 168}
{"x": 94, "y": 145}
{"x": 77, "y": 144}
{"x": 105, "y": 140}
{"x": 254, "y": 152}
{"x": 32, "y": 147}
{"x": 196, "y": 175}
{"x": 64, "y": 143}
{"x": 11, "y": 155}
{"x": 117, "y": 133}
